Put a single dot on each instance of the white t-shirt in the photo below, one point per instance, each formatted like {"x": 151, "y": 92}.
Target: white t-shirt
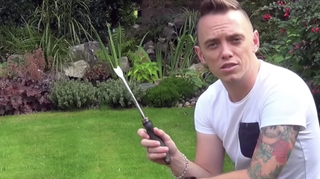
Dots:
{"x": 279, "y": 97}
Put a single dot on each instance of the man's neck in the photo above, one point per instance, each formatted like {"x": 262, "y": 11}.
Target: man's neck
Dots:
{"x": 239, "y": 90}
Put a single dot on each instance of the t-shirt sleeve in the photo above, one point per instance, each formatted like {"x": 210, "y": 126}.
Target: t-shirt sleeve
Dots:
{"x": 201, "y": 117}
{"x": 286, "y": 105}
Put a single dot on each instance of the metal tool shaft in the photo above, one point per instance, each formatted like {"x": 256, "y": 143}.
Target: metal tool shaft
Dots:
{"x": 134, "y": 99}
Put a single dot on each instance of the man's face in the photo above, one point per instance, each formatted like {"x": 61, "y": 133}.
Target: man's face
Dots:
{"x": 227, "y": 44}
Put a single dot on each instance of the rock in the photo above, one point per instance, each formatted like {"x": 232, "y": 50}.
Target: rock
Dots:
{"x": 170, "y": 24}
{"x": 150, "y": 51}
{"x": 148, "y": 45}
{"x": 124, "y": 64}
{"x": 179, "y": 21}
{"x": 163, "y": 46}
{"x": 85, "y": 51}
{"x": 187, "y": 104}
{"x": 193, "y": 99}
{"x": 169, "y": 32}
{"x": 162, "y": 40}
{"x": 136, "y": 26}
{"x": 180, "y": 105}
{"x": 76, "y": 69}
{"x": 198, "y": 68}
{"x": 146, "y": 86}
{"x": 14, "y": 57}
{"x": 157, "y": 81}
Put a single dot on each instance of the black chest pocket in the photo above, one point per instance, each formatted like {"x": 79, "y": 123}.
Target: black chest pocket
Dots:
{"x": 248, "y": 136}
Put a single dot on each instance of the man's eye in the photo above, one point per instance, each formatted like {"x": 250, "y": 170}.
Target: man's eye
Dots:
{"x": 212, "y": 45}
{"x": 236, "y": 39}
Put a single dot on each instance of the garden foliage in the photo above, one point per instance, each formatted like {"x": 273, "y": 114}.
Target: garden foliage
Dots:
{"x": 114, "y": 93}
{"x": 73, "y": 95}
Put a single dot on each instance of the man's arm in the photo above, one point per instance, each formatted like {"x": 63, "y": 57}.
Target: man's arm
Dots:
{"x": 208, "y": 161}
{"x": 272, "y": 151}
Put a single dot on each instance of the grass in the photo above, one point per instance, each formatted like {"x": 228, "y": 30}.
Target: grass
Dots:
{"x": 89, "y": 144}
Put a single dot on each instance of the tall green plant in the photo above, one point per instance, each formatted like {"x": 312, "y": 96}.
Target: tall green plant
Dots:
{"x": 182, "y": 55}
{"x": 56, "y": 50}
{"x": 60, "y": 14}
{"x": 110, "y": 55}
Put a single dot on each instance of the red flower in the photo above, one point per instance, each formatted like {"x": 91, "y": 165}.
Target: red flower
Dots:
{"x": 287, "y": 10}
{"x": 315, "y": 30}
{"x": 266, "y": 17}
{"x": 280, "y": 151}
{"x": 283, "y": 30}
{"x": 281, "y": 3}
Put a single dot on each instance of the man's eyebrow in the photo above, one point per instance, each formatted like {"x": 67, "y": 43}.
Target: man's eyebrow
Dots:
{"x": 228, "y": 36}
{"x": 236, "y": 35}
{"x": 210, "y": 40}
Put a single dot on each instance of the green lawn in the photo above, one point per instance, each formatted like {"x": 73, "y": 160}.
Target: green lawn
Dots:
{"x": 89, "y": 144}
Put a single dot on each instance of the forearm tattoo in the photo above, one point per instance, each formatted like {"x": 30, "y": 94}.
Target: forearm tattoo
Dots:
{"x": 274, "y": 146}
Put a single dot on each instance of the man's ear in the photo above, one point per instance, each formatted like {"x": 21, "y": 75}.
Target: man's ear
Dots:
{"x": 256, "y": 41}
{"x": 199, "y": 54}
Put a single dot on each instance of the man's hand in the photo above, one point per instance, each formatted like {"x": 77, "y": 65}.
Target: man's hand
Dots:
{"x": 155, "y": 152}
{"x": 273, "y": 149}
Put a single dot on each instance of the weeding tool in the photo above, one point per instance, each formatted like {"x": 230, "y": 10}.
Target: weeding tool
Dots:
{"x": 145, "y": 121}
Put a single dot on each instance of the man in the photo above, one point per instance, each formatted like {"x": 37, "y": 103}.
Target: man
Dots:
{"x": 261, "y": 115}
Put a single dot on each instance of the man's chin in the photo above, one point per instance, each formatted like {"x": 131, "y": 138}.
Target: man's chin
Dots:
{"x": 230, "y": 79}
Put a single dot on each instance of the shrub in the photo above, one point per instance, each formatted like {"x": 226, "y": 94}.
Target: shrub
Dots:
{"x": 114, "y": 93}
{"x": 315, "y": 89}
{"x": 183, "y": 86}
{"x": 98, "y": 73}
{"x": 25, "y": 87}
{"x": 297, "y": 39}
{"x": 161, "y": 96}
{"x": 73, "y": 94}
{"x": 24, "y": 95}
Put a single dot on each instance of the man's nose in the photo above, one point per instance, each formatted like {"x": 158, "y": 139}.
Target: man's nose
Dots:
{"x": 226, "y": 51}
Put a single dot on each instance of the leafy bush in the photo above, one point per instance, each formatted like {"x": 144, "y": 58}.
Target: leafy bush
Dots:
{"x": 143, "y": 69}
{"x": 25, "y": 88}
{"x": 114, "y": 93}
{"x": 315, "y": 89}
{"x": 98, "y": 73}
{"x": 73, "y": 94}
{"x": 183, "y": 86}
{"x": 24, "y": 95}
{"x": 70, "y": 18}
{"x": 161, "y": 96}
{"x": 297, "y": 39}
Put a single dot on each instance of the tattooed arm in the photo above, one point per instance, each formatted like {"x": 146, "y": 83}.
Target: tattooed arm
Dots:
{"x": 272, "y": 151}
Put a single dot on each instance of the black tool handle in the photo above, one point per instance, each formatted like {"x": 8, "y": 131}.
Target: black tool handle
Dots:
{"x": 149, "y": 127}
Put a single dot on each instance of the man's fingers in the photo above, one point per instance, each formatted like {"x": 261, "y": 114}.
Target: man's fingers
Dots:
{"x": 159, "y": 132}
{"x": 156, "y": 156}
{"x": 150, "y": 143}
{"x": 162, "y": 149}
{"x": 143, "y": 133}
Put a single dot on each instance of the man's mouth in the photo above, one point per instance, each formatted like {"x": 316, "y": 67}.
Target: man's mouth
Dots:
{"x": 228, "y": 65}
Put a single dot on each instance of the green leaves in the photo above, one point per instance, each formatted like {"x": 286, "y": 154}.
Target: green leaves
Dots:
{"x": 298, "y": 45}
{"x": 143, "y": 69}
